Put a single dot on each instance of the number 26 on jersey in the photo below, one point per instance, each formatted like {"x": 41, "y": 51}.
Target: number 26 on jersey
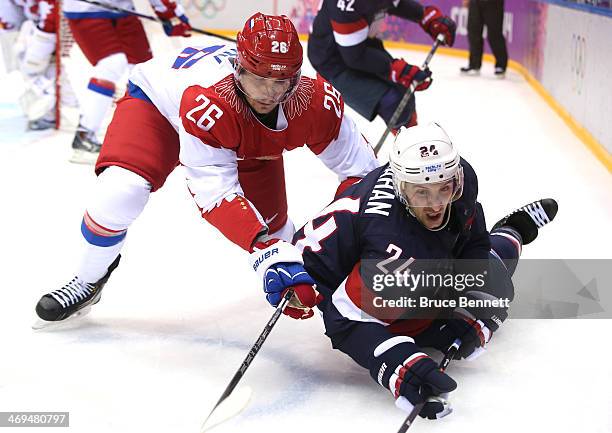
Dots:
{"x": 210, "y": 114}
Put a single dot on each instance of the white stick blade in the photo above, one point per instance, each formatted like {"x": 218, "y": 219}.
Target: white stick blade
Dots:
{"x": 230, "y": 407}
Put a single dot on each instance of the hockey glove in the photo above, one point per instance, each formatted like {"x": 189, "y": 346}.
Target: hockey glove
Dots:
{"x": 280, "y": 265}
{"x": 434, "y": 23}
{"x": 173, "y": 18}
{"x": 474, "y": 336}
{"x": 412, "y": 377}
{"x": 404, "y": 74}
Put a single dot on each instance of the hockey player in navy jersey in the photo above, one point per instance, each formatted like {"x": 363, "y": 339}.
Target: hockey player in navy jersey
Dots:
{"x": 344, "y": 48}
{"x": 419, "y": 209}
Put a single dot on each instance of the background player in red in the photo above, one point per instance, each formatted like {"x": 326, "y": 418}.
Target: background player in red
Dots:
{"x": 112, "y": 42}
{"x": 227, "y": 115}
{"x": 344, "y": 47}
{"x": 34, "y": 49}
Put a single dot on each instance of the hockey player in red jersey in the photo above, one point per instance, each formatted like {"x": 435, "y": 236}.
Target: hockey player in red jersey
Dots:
{"x": 345, "y": 48}
{"x": 112, "y": 42}
{"x": 226, "y": 114}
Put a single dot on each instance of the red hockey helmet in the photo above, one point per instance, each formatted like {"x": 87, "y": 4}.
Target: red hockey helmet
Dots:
{"x": 268, "y": 47}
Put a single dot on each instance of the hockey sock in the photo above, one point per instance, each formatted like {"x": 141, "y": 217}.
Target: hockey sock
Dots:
{"x": 101, "y": 89}
{"x": 506, "y": 244}
{"x": 96, "y": 104}
{"x": 119, "y": 198}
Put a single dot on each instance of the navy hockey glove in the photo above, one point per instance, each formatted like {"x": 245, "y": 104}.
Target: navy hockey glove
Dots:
{"x": 173, "y": 18}
{"x": 412, "y": 377}
{"x": 434, "y": 23}
{"x": 280, "y": 265}
{"x": 474, "y": 336}
{"x": 404, "y": 74}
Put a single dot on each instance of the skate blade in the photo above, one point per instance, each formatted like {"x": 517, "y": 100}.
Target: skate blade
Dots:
{"x": 50, "y": 325}
{"x": 83, "y": 157}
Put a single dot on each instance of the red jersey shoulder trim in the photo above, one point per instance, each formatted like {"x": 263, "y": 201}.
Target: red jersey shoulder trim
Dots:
{"x": 348, "y": 28}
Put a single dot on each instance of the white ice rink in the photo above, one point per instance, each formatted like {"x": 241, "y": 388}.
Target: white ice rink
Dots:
{"x": 179, "y": 314}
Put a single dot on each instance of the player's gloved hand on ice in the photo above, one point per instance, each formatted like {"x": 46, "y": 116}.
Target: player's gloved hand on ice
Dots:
{"x": 434, "y": 23}
{"x": 173, "y": 17}
{"x": 420, "y": 379}
{"x": 404, "y": 74}
{"x": 280, "y": 265}
{"x": 412, "y": 377}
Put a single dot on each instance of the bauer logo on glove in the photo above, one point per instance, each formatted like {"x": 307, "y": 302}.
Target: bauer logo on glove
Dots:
{"x": 280, "y": 265}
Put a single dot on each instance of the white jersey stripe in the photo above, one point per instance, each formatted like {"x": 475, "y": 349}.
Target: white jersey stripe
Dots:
{"x": 350, "y": 39}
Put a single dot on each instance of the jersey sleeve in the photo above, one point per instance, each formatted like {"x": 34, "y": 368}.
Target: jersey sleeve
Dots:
{"x": 211, "y": 168}
{"x": 350, "y": 29}
{"x": 408, "y": 9}
{"x": 329, "y": 242}
{"x": 336, "y": 140}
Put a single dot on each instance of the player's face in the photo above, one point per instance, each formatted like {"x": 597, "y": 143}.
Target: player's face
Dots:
{"x": 428, "y": 202}
{"x": 263, "y": 94}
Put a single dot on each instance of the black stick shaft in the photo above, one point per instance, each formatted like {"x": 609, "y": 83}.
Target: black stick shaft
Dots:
{"x": 450, "y": 354}
{"x": 254, "y": 349}
{"x": 150, "y": 18}
{"x": 404, "y": 101}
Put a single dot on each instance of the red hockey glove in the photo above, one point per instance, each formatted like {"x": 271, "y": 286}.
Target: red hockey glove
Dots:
{"x": 434, "y": 23}
{"x": 173, "y": 18}
{"x": 404, "y": 74}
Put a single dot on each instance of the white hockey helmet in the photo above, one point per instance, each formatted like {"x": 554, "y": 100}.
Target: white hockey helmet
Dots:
{"x": 425, "y": 155}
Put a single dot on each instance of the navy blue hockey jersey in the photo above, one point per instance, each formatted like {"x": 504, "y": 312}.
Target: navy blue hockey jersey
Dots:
{"x": 368, "y": 224}
{"x": 344, "y": 35}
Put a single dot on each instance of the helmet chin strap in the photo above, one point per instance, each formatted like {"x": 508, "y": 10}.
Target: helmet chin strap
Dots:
{"x": 447, "y": 215}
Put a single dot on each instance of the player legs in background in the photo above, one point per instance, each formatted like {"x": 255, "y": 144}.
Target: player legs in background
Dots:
{"x": 489, "y": 13}
{"x": 370, "y": 97}
{"x": 110, "y": 45}
{"x": 34, "y": 49}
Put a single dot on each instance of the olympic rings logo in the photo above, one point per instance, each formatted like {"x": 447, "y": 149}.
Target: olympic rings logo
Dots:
{"x": 209, "y": 8}
{"x": 578, "y": 62}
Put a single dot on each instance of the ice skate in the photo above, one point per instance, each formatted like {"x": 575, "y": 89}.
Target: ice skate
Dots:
{"x": 71, "y": 301}
{"x": 86, "y": 147}
{"x": 528, "y": 219}
{"x": 42, "y": 123}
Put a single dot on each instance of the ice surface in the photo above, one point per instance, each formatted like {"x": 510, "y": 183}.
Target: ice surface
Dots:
{"x": 180, "y": 313}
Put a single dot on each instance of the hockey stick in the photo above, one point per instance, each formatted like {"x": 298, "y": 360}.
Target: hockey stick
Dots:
{"x": 240, "y": 399}
{"x": 404, "y": 101}
{"x": 151, "y": 18}
{"x": 450, "y": 354}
